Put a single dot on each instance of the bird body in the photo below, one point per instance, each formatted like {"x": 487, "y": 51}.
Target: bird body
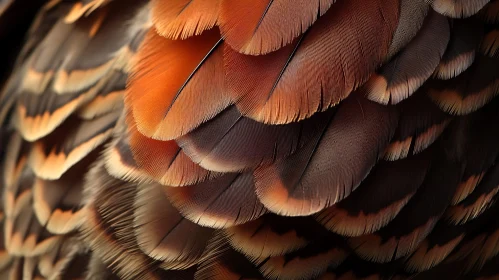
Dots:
{"x": 250, "y": 139}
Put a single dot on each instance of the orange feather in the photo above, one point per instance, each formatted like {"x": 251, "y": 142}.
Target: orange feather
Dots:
{"x": 180, "y": 19}
{"x": 173, "y": 78}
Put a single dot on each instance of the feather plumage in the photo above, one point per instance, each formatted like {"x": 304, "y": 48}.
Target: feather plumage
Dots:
{"x": 269, "y": 236}
{"x": 181, "y": 19}
{"x": 416, "y": 220}
{"x": 267, "y": 89}
{"x": 335, "y": 162}
{"x": 227, "y": 139}
{"x": 359, "y": 214}
{"x": 157, "y": 102}
{"x": 219, "y": 203}
{"x": 469, "y": 91}
{"x": 458, "y": 8}
{"x": 412, "y": 16}
{"x": 420, "y": 124}
{"x": 59, "y": 79}
{"x": 53, "y": 155}
{"x": 163, "y": 234}
{"x": 231, "y": 142}
{"x": 461, "y": 51}
{"x": 403, "y": 75}
{"x": 164, "y": 161}
{"x": 268, "y": 24}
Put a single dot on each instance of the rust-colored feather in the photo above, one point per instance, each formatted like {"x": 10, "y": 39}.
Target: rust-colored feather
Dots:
{"x": 172, "y": 78}
{"x": 180, "y": 19}
{"x": 261, "y": 26}
{"x": 321, "y": 67}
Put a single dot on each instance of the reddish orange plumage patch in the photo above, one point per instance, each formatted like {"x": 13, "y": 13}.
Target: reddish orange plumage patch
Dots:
{"x": 164, "y": 66}
{"x": 180, "y": 19}
{"x": 320, "y": 68}
{"x": 261, "y": 26}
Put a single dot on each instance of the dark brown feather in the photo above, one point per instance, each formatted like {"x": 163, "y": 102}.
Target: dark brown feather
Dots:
{"x": 334, "y": 163}
{"x": 404, "y": 74}
{"x": 469, "y": 91}
{"x": 461, "y": 51}
{"x": 378, "y": 199}
{"x": 231, "y": 142}
{"x": 420, "y": 124}
{"x": 219, "y": 203}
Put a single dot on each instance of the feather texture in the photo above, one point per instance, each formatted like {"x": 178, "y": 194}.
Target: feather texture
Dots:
{"x": 401, "y": 77}
{"x": 420, "y": 124}
{"x": 268, "y": 89}
{"x": 461, "y": 51}
{"x": 458, "y": 8}
{"x": 163, "y": 234}
{"x": 412, "y": 16}
{"x": 181, "y": 19}
{"x": 231, "y": 142}
{"x": 469, "y": 91}
{"x": 164, "y": 161}
{"x": 388, "y": 181}
{"x": 223, "y": 202}
{"x": 268, "y": 24}
{"x": 225, "y": 139}
{"x": 158, "y": 102}
{"x": 334, "y": 163}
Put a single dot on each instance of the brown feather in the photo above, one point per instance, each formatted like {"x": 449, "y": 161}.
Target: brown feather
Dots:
{"x": 219, "y": 203}
{"x": 334, "y": 163}
{"x": 490, "y": 43}
{"x": 378, "y": 199}
{"x": 305, "y": 263}
{"x": 164, "y": 161}
{"x": 108, "y": 227}
{"x": 232, "y": 143}
{"x": 412, "y": 16}
{"x": 162, "y": 232}
{"x": 53, "y": 155}
{"x": 420, "y": 124}
{"x": 478, "y": 201}
{"x": 406, "y": 72}
{"x": 461, "y": 52}
{"x": 268, "y": 236}
{"x": 458, "y": 8}
{"x": 469, "y": 91}
{"x": 224, "y": 263}
{"x": 416, "y": 220}
{"x": 491, "y": 12}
